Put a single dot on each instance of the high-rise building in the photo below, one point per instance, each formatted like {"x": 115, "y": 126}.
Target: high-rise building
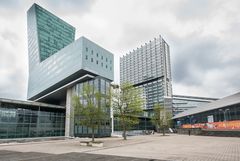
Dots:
{"x": 149, "y": 68}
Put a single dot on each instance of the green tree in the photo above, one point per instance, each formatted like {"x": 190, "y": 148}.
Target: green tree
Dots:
{"x": 127, "y": 106}
{"x": 88, "y": 109}
{"x": 161, "y": 118}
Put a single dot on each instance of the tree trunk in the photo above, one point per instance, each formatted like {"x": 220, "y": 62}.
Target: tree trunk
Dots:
{"x": 163, "y": 131}
{"x": 124, "y": 132}
{"x": 124, "y": 135}
{"x": 92, "y": 134}
{"x": 124, "y": 128}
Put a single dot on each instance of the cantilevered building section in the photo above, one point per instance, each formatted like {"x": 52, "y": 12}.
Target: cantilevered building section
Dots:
{"x": 149, "y": 67}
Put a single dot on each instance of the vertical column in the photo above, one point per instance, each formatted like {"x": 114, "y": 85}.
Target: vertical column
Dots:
{"x": 112, "y": 119}
{"x": 69, "y": 122}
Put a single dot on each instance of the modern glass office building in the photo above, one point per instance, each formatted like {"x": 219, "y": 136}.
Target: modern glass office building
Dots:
{"x": 23, "y": 119}
{"x": 58, "y": 67}
{"x": 148, "y": 67}
{"x": 182, "y": 103}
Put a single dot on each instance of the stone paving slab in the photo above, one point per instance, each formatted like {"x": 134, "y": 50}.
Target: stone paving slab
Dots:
{"x": 32, "y": 156}
{"x": 6, "y": 152}
{"x": 20, "y": 156}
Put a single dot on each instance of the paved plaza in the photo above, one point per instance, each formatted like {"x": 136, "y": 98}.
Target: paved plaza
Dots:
{"x": 34, "y": 156}
{"x": 149, "y": 147}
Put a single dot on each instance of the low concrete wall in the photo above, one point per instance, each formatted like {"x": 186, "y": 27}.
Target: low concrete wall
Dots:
{"x": 193, "y": 131}
{"x": 221, "y": 133}
{"x": 129, "y": 133}
{"x": 36, "y": 139}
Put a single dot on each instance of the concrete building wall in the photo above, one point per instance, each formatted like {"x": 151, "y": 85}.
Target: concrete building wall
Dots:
{"x": 69, "y": 122}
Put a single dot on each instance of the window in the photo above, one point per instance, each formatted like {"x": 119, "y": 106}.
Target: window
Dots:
{"x": 110, "y": 61}
{"x": 97, "y": 61}
{"x": 92, "y": 52}
{"x": 86, "y": 49}
{"x": 110, "y": 68}
{"x": 86, "y": 57}
{"x": 102, "y": 57}
{"x": 106, "y": 66}
{"x": 91, "y": 59}
{"x": 97, "y": 54}
{"x": 106, "y": 59}
{"x": 102, "y": 64}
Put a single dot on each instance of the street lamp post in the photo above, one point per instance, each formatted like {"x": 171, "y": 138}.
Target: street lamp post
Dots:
{"x": 224, "y": 115}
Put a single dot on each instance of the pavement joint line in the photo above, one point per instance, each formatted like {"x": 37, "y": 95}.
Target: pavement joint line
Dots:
{"x": 112, "y": 147}
{"x": 98, "y": 156}
{"x": 39, "y": 157}
{"x": 26, "y": 143}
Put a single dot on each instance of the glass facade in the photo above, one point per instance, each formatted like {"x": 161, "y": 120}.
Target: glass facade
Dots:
{"x": 23, "y": 121}
{"x": 103, "y": 86}
{"x": 153, "y": 93}
{"x": 144, "y": 124}
{"x": 53, "y": 33}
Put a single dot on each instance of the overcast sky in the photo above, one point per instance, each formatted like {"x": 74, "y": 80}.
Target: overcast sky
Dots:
{"x": 203, "y": 35}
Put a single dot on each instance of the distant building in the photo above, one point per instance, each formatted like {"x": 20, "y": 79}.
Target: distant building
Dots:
{"x": 148, "y": 67}
{"x": 222, "y": 114}
{"x": 182, "y": 103}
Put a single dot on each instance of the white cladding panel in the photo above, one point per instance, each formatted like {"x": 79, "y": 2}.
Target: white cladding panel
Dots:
{"x": 68, "y": 61}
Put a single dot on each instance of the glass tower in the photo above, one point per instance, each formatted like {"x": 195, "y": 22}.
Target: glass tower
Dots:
{"x": 51, "y": 33}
